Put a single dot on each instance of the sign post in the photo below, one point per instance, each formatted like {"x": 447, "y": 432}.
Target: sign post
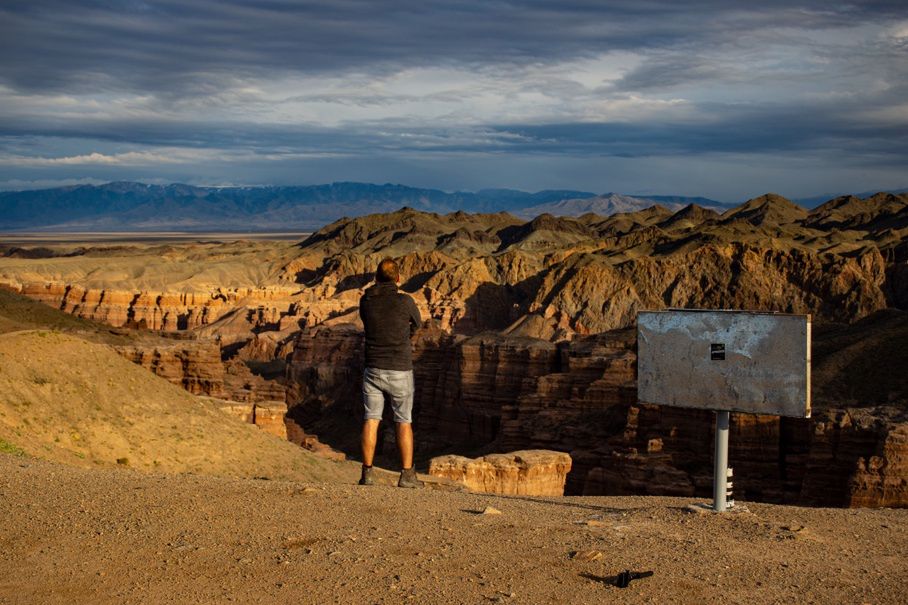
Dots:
{"x": 727, "y": 361}
{"x": 720, "y": 468}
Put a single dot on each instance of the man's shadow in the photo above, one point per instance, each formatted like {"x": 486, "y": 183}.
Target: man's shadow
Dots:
{"x": 622, "y": 580}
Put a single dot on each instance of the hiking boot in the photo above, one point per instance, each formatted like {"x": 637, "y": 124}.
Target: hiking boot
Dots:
{"x": 408, "y": 478}
{"x": 366, "y": 478}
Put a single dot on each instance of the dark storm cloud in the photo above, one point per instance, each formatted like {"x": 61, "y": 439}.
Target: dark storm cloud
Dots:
{"x": 666, "y": 72}
{"x": 779, "y": 129}
{"x": 103, "y": 85}
{"x": 766, "y": 131}
{"x": 178, "y": 47}
{"x": 262, "y": 138}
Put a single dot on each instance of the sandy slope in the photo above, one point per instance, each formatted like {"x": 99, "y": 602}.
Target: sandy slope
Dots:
{"x": 120, "y": 536}
{"x": 66, "y": 399}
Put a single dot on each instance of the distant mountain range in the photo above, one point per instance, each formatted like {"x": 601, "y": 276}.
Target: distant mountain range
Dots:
{"x": 127, "y": 206}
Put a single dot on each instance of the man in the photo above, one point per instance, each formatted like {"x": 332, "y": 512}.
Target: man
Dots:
{"x": 390, "y": 317}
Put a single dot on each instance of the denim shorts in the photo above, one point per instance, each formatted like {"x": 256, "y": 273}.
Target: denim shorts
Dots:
{"x": 396, "y": 385}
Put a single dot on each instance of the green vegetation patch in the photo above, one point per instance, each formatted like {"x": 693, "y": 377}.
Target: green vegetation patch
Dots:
{"x": 8, "y": 448}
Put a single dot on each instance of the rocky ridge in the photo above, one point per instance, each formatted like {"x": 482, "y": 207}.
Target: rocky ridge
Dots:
{"x": 549, "y": 277}
{"x": 558, "y": 277}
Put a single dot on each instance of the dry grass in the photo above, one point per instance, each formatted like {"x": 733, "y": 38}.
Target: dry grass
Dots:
{"x": 68, "y": 400}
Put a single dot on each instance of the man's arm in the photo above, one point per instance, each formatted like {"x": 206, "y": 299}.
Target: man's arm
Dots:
{"x": 415, "y": 318}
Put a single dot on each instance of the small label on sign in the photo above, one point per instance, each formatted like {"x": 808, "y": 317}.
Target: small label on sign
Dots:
{"x": 717, "y": 351}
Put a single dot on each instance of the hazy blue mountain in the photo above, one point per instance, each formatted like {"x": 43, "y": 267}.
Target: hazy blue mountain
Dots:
{"x": 126, "y": 206}
{"x": 136, "y": 206}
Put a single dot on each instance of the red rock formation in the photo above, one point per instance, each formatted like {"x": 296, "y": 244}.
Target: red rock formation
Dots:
{"x": 195, "y": 366}
{"x": 241, "y": 384}
{"x": 245, "y": 412}
{"x": 324, "y": 375}
{"x": 850, "y": 457}
{"x": 269, "y": 416}
{"x": 857, "y": 457}
{"x": 461, "y": 384}
{"x": 879, "y": 479}
{"x": 461, "y": 399}
{"x": 48, "y": 293}
{"x": 259, "y": 308}
{"x": 526, "y": 473}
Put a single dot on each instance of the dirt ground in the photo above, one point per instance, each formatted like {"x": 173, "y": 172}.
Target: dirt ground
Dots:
{"x": 72, "y": 535}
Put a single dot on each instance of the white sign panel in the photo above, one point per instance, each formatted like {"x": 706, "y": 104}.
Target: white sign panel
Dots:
{"x": 737, "y": 361}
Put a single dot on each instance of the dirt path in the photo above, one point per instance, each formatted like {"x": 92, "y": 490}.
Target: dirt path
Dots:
{"x": 74, "y": 535}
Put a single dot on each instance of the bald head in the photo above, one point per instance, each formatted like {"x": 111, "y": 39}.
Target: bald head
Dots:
{"x": 387, "y": 271}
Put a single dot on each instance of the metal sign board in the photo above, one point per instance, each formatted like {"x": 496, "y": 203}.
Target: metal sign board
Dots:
{"x": 737, "y": 361}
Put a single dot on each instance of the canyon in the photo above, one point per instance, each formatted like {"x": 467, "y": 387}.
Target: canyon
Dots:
{"x": 502, "y": 393}
{"x": 529, "y": 341}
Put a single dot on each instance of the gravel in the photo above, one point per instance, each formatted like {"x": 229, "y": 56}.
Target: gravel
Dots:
{"x": 72, "y": 535}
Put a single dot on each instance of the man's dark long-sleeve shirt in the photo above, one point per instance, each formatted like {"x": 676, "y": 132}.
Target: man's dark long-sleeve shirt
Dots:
{"x": 390, "y": 317}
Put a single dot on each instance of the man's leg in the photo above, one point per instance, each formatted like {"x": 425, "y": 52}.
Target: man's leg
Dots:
{"x": 369, "y": 439}
{"x": 373, "y": 403}
{"x": 405, "y": 444}
{"x": 402, "y": 402}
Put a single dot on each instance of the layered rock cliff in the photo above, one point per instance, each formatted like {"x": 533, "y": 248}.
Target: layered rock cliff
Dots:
{"x": 506, "y": 393}
{"x": 195, "y": 366}
{"x": 240, "y": 310}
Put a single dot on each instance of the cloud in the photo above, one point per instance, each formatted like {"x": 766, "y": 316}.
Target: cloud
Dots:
{"x": 192, "y": 88}
{"x": 187, "y": 48}
{"x": 23, "y": 185}
{"x": 129, "y": 158}
{"x": 160, "y": 156}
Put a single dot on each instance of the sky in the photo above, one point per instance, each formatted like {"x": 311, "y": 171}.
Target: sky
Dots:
{"x": 715, "y": 98}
